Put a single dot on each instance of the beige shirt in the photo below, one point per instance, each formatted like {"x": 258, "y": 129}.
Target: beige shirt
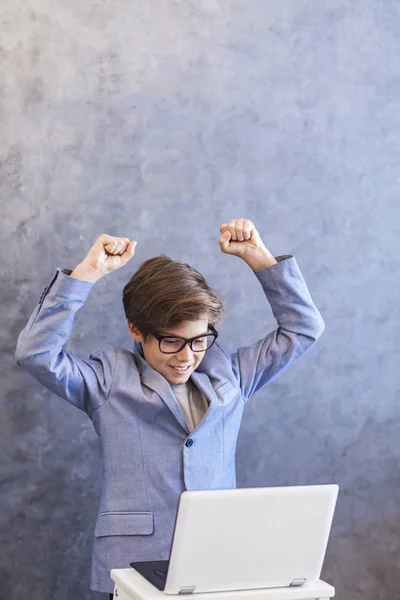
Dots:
{"x": 192, "y": 401}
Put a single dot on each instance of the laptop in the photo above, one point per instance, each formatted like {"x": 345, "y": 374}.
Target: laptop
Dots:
{"x": 243, "y": 539}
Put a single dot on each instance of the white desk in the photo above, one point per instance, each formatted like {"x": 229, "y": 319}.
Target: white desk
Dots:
{"x": 130, "y": 585}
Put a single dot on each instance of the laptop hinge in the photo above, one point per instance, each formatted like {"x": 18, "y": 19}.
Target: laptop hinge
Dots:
{"x": 189, "y": 589}
{"x": 298, "y": 582}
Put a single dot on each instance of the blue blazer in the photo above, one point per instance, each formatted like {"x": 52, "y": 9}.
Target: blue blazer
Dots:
{"x": 149, "y": 455}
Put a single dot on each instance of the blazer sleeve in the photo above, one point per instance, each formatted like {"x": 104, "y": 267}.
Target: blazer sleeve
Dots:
{"x": 40, "y": 347}
{"x": 299, "y": 327}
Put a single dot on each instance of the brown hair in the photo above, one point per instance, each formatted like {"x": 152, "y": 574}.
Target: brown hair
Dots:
{"x": 164, "y": 292}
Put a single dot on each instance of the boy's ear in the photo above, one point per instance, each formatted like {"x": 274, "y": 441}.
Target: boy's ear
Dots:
{"x": 135, "y": 333}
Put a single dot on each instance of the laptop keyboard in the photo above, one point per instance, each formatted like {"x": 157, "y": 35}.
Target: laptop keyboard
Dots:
{"x": 161, "y": 574}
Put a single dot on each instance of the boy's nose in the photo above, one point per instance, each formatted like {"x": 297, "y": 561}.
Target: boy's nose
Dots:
{"x": 185, "y": 355}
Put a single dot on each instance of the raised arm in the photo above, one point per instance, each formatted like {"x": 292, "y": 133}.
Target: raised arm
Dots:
{"x": 299, "y": 322}
{"x": 40, "y": 348}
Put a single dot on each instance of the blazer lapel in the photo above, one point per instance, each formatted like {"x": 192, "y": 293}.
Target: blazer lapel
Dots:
{"x": 203, "y": 383}
{"x": 155, "y": 381}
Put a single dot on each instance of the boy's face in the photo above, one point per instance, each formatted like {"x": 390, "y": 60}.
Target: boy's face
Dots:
{"x": 178, "y": 367}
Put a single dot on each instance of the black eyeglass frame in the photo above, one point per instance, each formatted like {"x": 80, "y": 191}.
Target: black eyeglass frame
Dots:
{"x": 160, "y": 338}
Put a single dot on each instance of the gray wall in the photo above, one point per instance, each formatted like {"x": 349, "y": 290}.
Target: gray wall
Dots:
{"x": 159, "y": 121}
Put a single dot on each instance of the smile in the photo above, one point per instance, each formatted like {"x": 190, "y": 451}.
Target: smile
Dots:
{"x": 181, "y": 370}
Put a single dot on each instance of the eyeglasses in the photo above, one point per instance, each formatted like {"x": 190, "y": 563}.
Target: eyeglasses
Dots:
{"x": 172, "y": 344}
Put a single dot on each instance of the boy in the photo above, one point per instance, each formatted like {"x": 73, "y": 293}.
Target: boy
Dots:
{"x": 168, "y": 413}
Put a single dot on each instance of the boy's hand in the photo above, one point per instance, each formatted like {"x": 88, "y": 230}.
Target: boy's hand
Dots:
{"x": 105, "y": 256}
{"x": 240, "y": 238}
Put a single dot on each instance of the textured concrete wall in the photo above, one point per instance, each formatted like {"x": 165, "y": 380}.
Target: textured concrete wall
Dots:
{"x": 158, "y": 121}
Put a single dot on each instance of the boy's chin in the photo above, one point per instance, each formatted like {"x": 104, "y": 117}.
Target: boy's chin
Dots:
{"x": 182, "y": 379}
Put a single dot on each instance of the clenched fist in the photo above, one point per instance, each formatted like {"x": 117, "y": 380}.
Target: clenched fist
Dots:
{"x": 240, "y": 238}
{"x": 107, "y": 254}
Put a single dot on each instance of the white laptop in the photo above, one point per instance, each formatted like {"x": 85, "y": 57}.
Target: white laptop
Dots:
{"x": 244, "y": 539}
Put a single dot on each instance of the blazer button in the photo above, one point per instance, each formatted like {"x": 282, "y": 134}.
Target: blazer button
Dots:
{"x": 189, "y": 443}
